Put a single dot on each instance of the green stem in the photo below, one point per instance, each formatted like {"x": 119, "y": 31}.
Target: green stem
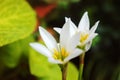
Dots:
{"x": 81, "y": 66}
{"x": 64, "y": 71}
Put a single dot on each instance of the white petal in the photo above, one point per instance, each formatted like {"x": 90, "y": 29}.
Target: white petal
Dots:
{"x": 88, "y": 45}
{"x": 41, "y": 49}
{"x": 58, "y": 30}
{"x": 84, "y": 23}
{"x": 66, "y": 19}
{"x": 52, "y": 60}
{"x": 90, "y": 37}
{"x": 76, "y": 53}
{"x": 73, "y": 28}
{"x": 65, "y": 34}
{"x": 73, "y": 42}
{"x": 92, "y": 30}
{"x": 48, "y": 38}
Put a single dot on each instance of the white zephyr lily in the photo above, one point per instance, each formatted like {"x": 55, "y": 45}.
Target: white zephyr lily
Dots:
{"x": 62, "y": 52}
{"x": 86, "y": 34}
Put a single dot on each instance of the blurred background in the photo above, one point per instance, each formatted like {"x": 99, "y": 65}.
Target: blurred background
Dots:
{"x": 102, "y": 61}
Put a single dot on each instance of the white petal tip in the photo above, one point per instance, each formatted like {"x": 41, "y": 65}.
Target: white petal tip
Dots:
{"x": 40, "y": 28}
{"x": 86, "y": 13}
{"x": 98, "y": 22}
{"x": 58, "y": 30}
{"x": 66, "y": 17}
{"x": 31, "y": 44}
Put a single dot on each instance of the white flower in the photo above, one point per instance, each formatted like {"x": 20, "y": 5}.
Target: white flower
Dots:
{"x": 61, "y": 52}
{"x": 86, "y": 34}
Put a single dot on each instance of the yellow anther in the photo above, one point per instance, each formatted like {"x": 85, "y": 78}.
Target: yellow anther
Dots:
{"x": 56, "y": 54}
{"x": 83, "y": 37}
{"x": 60, "y": 55}
{"x": 64, "y": 53}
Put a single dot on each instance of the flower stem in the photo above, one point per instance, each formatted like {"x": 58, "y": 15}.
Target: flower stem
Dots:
{"x": 81, "y": 66}
{"x": 64, "y": 71}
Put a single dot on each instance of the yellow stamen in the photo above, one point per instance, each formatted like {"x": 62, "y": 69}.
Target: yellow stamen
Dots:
{"x": 60, "y": 55}
{"x": 64, "y": 53}
{"x": 83, "y": 37}
{"x": 56, "y": 54}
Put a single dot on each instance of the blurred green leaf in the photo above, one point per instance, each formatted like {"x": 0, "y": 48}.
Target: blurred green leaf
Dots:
{"x": 17, "y": 20}
{"x": 63, "y": 4}
{"x": 10, "y": 54}
{"x": 118, "y": 76}
{"x": 72, "y": 73}
{"x": 74, "y": 1}
{"x": 66, "y": 3}
{"x": 40, "y": 67}
{"x": 96, "y": 40}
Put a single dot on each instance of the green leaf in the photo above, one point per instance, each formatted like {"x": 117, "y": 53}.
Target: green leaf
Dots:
{"x": 17, "y": 20}
{"x": 10, "y": 54}
{"x": 72, "y": 72}
{"x": 75, "y": 1}
{"x": 96, "y": 40}
{"x": 40, "y": 67}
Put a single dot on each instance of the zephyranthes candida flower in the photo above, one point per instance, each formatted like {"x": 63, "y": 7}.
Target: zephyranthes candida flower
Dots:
{"x": 86, "y": 34}
{"x": 60, "y": 52}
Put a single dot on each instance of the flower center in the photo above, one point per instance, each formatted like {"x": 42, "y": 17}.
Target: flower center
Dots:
{"x": 60, "y": 55}
{"x": 83, "y": 37}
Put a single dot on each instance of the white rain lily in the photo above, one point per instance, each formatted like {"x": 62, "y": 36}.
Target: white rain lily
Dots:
{"x": 62, "y": 52}
{"x": 86, "y": 34}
